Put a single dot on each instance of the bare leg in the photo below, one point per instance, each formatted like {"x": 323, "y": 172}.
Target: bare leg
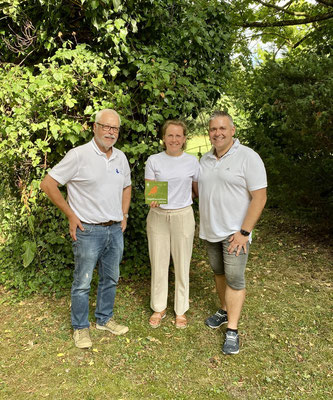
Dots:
{"x": 220, "y": 283}
{"x": 234, "y": 301}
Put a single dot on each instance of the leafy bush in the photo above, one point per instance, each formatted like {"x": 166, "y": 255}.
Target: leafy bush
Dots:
{"x": 290, "y": 111}
{"x": 149, "y": 60}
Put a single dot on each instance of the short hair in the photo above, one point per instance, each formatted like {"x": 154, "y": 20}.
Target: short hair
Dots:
{"x": 218, "y": 113}
{"x": 173, "y": 122}
{"x": 176, "y": 122}
{"x": 99, "y": 114}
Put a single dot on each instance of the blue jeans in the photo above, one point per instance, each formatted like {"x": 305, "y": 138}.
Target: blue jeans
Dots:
{"x": 101, "y": 245}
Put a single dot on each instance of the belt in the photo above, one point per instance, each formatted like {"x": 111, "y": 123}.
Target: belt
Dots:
{"x": 102, "y": 223}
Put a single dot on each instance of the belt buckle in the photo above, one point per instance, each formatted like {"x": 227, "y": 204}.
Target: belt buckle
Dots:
{"x": 109, "y": 223}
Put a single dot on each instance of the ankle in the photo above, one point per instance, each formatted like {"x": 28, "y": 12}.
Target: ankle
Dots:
{"x": 232, "y": 330}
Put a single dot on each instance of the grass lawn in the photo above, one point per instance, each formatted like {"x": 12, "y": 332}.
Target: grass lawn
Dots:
{"x": 198, "y": 144}
{"x": 285, "y": 332}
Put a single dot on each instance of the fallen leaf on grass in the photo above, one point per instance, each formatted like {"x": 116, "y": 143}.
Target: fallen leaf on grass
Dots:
{"x": 214, "y": 361}
{"x": 30, "y": 345}
{"x": 152, "y": 339}
{"x": 60, "y": 354}
{"x": 95, "y": 350}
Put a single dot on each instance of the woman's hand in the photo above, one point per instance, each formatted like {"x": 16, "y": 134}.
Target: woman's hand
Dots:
{"x": 154, "y": 204}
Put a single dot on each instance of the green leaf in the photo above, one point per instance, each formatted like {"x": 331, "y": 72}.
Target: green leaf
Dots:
{"x": 116, "y": 4}
{"x": 114, "y": 71}
{"x": 29, "y": 252}
{"x": 119, "y": 23}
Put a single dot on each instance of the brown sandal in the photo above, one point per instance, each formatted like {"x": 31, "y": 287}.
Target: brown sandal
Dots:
{"x": 156, "y": 318}
{"x": 181, "y": 322}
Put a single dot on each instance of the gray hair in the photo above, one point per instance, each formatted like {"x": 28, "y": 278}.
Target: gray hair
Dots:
{"x": 216, "y": 114}
{"x": 99, "y": 114}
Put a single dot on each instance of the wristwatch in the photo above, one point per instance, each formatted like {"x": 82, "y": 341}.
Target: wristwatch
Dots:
{"x": 125, "y": 215}
{"x": 244, "y": 233}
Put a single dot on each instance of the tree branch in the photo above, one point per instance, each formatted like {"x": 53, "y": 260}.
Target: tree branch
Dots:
{"x": 326, "y": 3}
{"x": 296, "y": 14}
{"x": 302, "y": 40}
{"x": 288, "y": 22}
{"x": 286, "y": 39}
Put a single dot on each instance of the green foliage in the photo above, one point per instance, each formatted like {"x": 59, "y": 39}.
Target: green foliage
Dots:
{"x": 290, "y": 111}
{"x": 286, "y": 25}
{"x": 149, "y": 60}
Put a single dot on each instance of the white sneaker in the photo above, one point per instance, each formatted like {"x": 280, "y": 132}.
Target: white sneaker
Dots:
{"x": 113, "y": 327}
{"x": 82, "y": 338}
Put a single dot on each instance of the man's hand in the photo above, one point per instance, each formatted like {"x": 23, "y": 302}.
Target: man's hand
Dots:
{"x": 123, "y": 224}
{"x": 74, "y": 223}
{"x": 50, "y": 187}
{"x": 237, "y": 242}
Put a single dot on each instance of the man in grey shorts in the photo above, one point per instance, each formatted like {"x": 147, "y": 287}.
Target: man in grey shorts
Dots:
{"x": 232, "y": 195}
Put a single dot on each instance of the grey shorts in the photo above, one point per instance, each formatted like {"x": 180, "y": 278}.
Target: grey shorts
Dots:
{"x": 230, "y": 265}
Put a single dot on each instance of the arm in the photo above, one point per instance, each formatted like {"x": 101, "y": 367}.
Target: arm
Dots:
{"x": 195, "y": 190}
{"x": 257, "y": 204}
{"x": 127, "y": 192}
{"x": 50, "y": 187}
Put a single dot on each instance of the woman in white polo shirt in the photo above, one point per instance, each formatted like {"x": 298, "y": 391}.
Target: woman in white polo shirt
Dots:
{"x": 170, "y": 227}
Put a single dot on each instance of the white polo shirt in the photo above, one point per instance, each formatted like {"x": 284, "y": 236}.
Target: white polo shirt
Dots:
{"x": 94, "y": 183}
{"x": 179, "y": 172}
{"x": 224, "y": 190}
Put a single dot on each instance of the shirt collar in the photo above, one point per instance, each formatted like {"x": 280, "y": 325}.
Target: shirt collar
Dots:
{"x": 100, "y": 153}
{"x": 232, "y": 149}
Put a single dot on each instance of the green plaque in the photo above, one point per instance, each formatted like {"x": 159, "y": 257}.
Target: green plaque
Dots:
{"x": 156, "y": 191}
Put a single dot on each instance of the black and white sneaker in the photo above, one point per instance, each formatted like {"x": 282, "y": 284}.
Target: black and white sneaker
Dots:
{"x": 218, "y": 319}
{"x": 231, "y": 343}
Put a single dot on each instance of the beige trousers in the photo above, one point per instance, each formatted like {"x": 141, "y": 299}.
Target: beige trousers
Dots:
{"x": 170, "y": 232}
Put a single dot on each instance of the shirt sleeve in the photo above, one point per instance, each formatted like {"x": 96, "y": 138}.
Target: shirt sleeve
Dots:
{"x": 127, "y": 173}
{"x": 149, "y": 170}
{"x": 255, "y": 173}
{"x": 196, "y": 171}
{"x": 66, "y": 169}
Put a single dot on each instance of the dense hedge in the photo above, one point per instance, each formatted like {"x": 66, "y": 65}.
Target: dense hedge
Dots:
{"x": 149, "y": 60}
{"x": 290, "y": 114}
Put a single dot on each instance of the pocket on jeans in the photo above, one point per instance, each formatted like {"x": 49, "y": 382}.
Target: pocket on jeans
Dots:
{"x": 87, "y": 229}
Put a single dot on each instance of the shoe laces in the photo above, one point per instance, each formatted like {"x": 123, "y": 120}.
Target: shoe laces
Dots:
{"x": 219, "y": 314}
{"x": 231, "y": 336}
{"x": 83, "y": 332}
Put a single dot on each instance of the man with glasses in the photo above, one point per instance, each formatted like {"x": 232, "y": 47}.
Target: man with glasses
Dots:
{"x": 98, "y": 182}
{"x": 232, "y": 195}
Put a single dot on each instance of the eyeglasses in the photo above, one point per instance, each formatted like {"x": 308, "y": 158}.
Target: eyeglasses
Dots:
{"x": 108, "y": 128}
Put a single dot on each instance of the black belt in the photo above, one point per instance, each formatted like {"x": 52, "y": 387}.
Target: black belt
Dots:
{"x": 102, "y": 223}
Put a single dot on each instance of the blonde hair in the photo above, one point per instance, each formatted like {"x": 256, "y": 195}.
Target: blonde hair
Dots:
{"x": 176, "y": 122}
